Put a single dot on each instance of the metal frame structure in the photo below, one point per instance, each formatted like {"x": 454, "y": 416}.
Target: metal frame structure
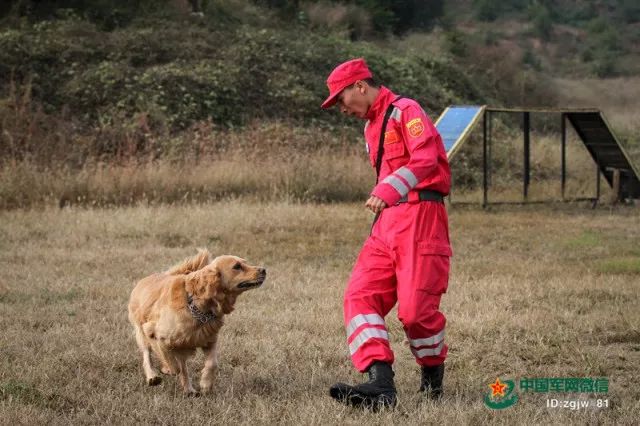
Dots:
{"x": 457, "y": 122}
{"x": 526, "y": 129}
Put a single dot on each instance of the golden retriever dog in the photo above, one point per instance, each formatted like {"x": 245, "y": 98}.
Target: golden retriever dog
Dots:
{"x": 177, "y": 311}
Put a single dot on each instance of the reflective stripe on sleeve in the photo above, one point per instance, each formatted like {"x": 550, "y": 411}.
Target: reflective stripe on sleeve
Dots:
{"x": 361, "y": 319}
{"x": 428, "y": 341}
{"x": 365, "y": 335}
{"x": 408, "y": 175}
{"x": 397, "y": 184}
{"x": 396, "y": 114}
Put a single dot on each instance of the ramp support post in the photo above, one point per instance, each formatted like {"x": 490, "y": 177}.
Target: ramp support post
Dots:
{"x": 597, "y": 182}
{"x": 616, "y": 186}
{"x": 526, "y": 128}
{"x": 490, "y": 148}
{"x": 485, "y": 182}
{"x": 563, "y": 155}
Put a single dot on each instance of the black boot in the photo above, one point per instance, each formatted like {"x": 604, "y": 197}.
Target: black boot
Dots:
{"x": 431, "y": 382}
{"x": 378, "y": 392}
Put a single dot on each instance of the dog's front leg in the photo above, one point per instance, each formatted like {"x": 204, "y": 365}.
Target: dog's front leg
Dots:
{"x": 183, "y": 375}
{"x": 210, "y": 367}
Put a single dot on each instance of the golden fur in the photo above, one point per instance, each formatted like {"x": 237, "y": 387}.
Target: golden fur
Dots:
{"x": 163, "y": 323}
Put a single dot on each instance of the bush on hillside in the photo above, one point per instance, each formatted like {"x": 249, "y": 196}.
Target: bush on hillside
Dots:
{"x": 502, "y": 76}
{"x": 540, "y": 17}
{"x": 106, "y": 14}
{"x": 629, "y": 10}
{"x": 602, "y": 47}
{"x": 487, "y": 10}
{"x": 183, "y": 76}
{"x": 350, "y": 20}
{"x": 130, "y": 92}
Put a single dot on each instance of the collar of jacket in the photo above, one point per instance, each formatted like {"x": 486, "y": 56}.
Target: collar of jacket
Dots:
{"x": 379, "y": 106}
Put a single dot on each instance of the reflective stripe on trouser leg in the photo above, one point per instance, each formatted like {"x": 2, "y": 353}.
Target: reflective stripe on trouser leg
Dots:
{"x": 428, "y": 346}
{"x": 423, "y": 275}
{"x": 426, "y": 342}
{"x": 368, "y": 298}
{"x": 424, "y": 326}
{"x": 364, "y": 335}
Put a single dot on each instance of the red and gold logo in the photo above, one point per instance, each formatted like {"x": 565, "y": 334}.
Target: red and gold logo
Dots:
{"x": 391, "y": 137}
{"x": 416, "y": 127}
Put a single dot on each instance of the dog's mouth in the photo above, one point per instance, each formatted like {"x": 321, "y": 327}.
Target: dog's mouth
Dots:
{"x": 250, "y": 284}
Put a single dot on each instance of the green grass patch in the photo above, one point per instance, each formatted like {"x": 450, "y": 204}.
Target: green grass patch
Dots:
{"x": 586, "y": 239}
{"x": 20, "y": 391}
{"x": 627, "y": 265}
{"x": 26, "y": 394}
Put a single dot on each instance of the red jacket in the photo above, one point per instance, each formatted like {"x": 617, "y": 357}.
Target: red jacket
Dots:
{"x": 414, "y": 156}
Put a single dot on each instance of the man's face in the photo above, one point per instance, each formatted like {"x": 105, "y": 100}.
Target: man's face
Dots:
{"x": 352, "y": 101}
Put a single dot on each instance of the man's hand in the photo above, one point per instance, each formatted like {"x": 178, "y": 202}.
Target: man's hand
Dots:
{"x": 375, "y": 204}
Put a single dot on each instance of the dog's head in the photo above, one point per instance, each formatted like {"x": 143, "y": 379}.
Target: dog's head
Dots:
{"x": 222, "y": 280}
{"x": 236, "y": 275}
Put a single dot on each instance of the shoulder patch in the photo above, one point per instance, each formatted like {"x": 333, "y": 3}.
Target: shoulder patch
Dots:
{"x": 415, "y": 127}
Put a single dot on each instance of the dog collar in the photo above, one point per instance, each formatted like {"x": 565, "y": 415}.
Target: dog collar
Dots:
{"x": 202, "y": 317}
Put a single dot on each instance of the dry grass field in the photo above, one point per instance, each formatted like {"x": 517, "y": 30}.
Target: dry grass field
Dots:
{"x": 535, "y": 292}
{"x": 298, "y": 171}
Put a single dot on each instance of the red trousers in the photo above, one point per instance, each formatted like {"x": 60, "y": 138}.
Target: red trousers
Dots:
{"x": 404, "y": 260}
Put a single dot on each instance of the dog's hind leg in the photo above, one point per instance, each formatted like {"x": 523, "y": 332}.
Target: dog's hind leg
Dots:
{"x": 150, "y": 373}
{"x": 210, "y": 367}
{"x": 166, "y": 363}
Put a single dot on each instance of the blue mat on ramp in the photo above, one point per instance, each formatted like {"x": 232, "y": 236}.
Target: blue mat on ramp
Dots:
{"x": 455, "y": 124}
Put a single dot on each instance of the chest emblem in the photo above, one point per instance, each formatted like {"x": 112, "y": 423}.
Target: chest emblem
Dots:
{"x": 415, "y": 127}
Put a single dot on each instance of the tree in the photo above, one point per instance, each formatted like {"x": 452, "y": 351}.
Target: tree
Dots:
{"x": 541, "y": 19}
{"x": 629, "y": 10}
{"x": 416, "y": 14}
{"x": 487, "y": 10}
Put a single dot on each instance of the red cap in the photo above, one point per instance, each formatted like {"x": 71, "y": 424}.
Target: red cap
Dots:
{"x": 345, "y": 75}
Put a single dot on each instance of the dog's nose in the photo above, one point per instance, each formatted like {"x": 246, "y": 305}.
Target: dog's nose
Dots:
{"x": 262, "y": 271}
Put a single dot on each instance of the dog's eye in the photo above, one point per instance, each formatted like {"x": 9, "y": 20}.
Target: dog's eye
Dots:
{"x": 237, "y": 266}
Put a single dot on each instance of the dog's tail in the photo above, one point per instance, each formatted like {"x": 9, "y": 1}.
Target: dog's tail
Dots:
{"x": 192, "y": 264}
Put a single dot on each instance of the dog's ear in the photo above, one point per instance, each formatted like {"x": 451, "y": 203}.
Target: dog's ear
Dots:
{"x": 204, "y": 283}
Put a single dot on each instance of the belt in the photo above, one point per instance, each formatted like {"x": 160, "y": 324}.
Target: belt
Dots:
{"x": 422, "y": 195}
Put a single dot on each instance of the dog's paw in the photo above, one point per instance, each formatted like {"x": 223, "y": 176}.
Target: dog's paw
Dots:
{"x": 192, "y": 393}
{"x": 167, "y": 370}
{"x": 154, "y": 381}
{"x": 206, "y": 388}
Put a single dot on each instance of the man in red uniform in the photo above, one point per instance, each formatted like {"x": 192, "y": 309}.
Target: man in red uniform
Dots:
{"x": 406, "y": 257}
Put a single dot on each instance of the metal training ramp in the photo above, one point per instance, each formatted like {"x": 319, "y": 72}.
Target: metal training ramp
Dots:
{"x": 457, "y": 122}
{"x": 606, "y": 151}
